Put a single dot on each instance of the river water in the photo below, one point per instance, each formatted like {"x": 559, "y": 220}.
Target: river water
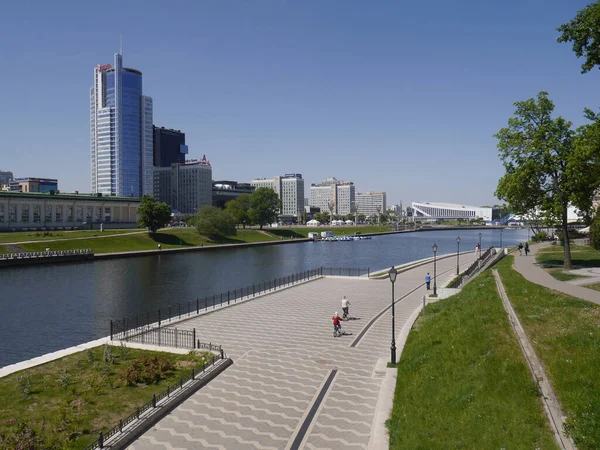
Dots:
{"x": 47, "y": 308}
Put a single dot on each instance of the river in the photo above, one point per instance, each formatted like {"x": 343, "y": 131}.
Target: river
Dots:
{"x": 47, "y": 308}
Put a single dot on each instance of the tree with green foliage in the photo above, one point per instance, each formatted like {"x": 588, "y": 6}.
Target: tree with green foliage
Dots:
{"x": 152, "y": 214}
{"x": 264, "y": 206}
{"x": 543, "y": 158}
{"x": 583, "y": 32}
{"x": 214, "y": 222}
{"x": 239, "y": 208}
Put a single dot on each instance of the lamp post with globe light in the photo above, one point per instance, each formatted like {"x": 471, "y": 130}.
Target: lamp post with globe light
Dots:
{"x": 393, "y": 273}
{"x": 435, "y": 249}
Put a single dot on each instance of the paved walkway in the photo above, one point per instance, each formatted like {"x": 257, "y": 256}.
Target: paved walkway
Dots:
{"x": 528, "y": 267}
{"x": 286, "y": 360}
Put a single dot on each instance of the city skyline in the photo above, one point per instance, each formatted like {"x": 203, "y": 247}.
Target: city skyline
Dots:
{"x": 321, "y": 90}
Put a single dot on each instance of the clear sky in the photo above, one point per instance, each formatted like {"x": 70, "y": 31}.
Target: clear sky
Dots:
{"x": 397, "y": 96}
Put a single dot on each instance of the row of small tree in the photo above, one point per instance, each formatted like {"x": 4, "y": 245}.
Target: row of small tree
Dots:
{"x": 548, "y": 164}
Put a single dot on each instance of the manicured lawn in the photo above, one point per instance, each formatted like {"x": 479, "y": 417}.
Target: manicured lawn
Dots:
{"x": 4, "y": 250}
{"x": 565, "y": 333}
{"x": 581, "y": 256}
{"x": 167, "y": 238}
{"x": 561, "y": 275}
{"x": 70, "y": 400}
{"x": 596, "y": 287}
{"x": 463, "y": 381}
{"x": 20, "y": 236}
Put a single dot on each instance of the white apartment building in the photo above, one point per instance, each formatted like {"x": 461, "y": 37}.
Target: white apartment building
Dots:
{"x": 371, "y": 204}
{"x": 185, "y": 187}
{"x": 340, "y": 195}
{"x": 290, "y": 190}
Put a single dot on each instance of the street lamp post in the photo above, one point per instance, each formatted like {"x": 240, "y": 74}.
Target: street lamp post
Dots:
{"x": 84, "y": 224}
{"x": 457, "y": 253}
{"x": 479, "y": 245}
{"x": 393, "y": 272}
{"x": 435, "y": 249}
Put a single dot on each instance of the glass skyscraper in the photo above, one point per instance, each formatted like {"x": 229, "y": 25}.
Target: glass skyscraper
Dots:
{"x": 120, "y": 132}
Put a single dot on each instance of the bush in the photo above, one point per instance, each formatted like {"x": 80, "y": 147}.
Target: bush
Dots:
{"x": 23, "y": 437}
{"x": 540, "y": 237}
{"x": 148, "y": 370}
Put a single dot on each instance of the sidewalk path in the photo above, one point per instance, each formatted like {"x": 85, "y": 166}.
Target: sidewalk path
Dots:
{"x": 528, "y": 267}
{"x": 293, "y": 385}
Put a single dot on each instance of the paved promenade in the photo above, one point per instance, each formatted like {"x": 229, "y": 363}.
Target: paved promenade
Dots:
{"x": 527, "y": 266}
{"x": 292, "y": 384}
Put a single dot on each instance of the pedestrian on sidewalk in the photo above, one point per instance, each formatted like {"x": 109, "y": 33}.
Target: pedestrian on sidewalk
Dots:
{"x": 159, "y": 247}
{"x": 526, "y": 248}
{"x": 427, "y": 280}
{"x": 520, "y": 249}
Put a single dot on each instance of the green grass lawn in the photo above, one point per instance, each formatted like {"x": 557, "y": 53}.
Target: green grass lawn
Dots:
{"x": 167, "y": 238}
{"x": 4, "y": 250}
{"x": 20, "y": 236}
{"x": 71, "y": 399}
{"x": 595, "y": 287}
{"x": 561, "y": 275}
{"x": 288, "y": 232}
{"x": 565, "y": 333}
{"x": 583, "y": 256}
{"x": 463, "y": 381}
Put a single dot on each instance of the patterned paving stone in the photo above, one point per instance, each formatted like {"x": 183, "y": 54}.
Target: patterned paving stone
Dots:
{"x": 283, "y": 350}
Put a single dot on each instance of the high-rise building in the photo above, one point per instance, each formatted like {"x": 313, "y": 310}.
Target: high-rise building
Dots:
{"x": 226, "y": 191}
{"x": 333, "y": 195}
{"x": 185, "y": 187}
{"x": 121, "y": 134}
{"x": 371, "y": 204}
{"x": 290, "y": 190}
{"x": 169, "y": 147}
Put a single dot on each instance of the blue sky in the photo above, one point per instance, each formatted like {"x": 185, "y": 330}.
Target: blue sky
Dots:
{"x": 397, "y": 96}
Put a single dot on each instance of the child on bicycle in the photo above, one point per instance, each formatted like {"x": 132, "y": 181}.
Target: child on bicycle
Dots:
{"x": 337, "y": 323}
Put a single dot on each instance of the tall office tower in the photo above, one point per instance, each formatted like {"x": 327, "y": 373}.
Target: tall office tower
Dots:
{"x": 121, "y": 134}
{"x": 371, "y": 204}
{"x": 290, "y": 190}
{"x": 333, "y": 195}
{"x": 169, "y": 147}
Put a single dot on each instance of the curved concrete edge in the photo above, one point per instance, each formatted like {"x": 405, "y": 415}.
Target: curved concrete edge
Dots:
{"x": 383, "y": 274}
{"x": 380, "y": 438}
{"x": 17, "y": 367}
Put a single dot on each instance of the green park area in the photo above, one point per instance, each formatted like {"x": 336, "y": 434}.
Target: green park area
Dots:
{"x": 64, "y": 404}
{"x": 177, "y": 237}
{"x": 464, "y": 383}
{"x": 552, "y": 259}
{"x": 25, "y": 236}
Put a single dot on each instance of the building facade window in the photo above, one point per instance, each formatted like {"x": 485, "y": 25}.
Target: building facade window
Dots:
{"x": 59, "y": 215}
{"x": 48, "y": 214}
{"x": 12, "y": 213}
{"x": 37, "y": 214}
{"x": 25, "y": 213}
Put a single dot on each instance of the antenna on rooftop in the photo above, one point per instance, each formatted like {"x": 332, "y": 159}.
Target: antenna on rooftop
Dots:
{"x": 121, "y": 49}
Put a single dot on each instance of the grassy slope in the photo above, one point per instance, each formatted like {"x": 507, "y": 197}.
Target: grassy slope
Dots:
{"x": 463, "y": 381}
{"x": 287, "y": 232}
{"x": 91, "y": 401}
{"x": 4, "y": 250}
{"x": 183, "y": 237}
{"x": 168, "y": 238}
{"x": 565, "y": 333}
{"x": 20, "y": 236}
{"x": 596, "y": 287}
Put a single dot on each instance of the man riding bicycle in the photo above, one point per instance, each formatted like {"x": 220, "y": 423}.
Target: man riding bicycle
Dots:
{"x": 337, "y": 324}
{"x": 345, "y": 306}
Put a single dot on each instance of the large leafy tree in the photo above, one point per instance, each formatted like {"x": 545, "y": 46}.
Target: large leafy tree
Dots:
{"x": 264, "y": 206}
{"x": 214, "y": 222}
{"x": 239, "y": 208}
{"x": 543, "y": 158}
{"x": 584, "y": 32}
{"x": 152, "y": 214}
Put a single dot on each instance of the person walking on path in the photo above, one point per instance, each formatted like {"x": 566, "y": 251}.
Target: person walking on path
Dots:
{"x": 345, "y": 306}
{"x": 526, "y": 248}
{"x": 337, "y": 324}
{"x": 520, "y": 249}
{"x": 159, "y": 247}
{"x": 428, "y": 280}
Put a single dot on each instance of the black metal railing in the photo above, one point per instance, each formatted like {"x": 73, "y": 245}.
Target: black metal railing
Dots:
{"x": 142, "y": 323}
{"x": 48, "y": 254}
{"x": 157, "y": 398}
{"x": 473, "y": 268}
{"x": 345, "y": 271}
